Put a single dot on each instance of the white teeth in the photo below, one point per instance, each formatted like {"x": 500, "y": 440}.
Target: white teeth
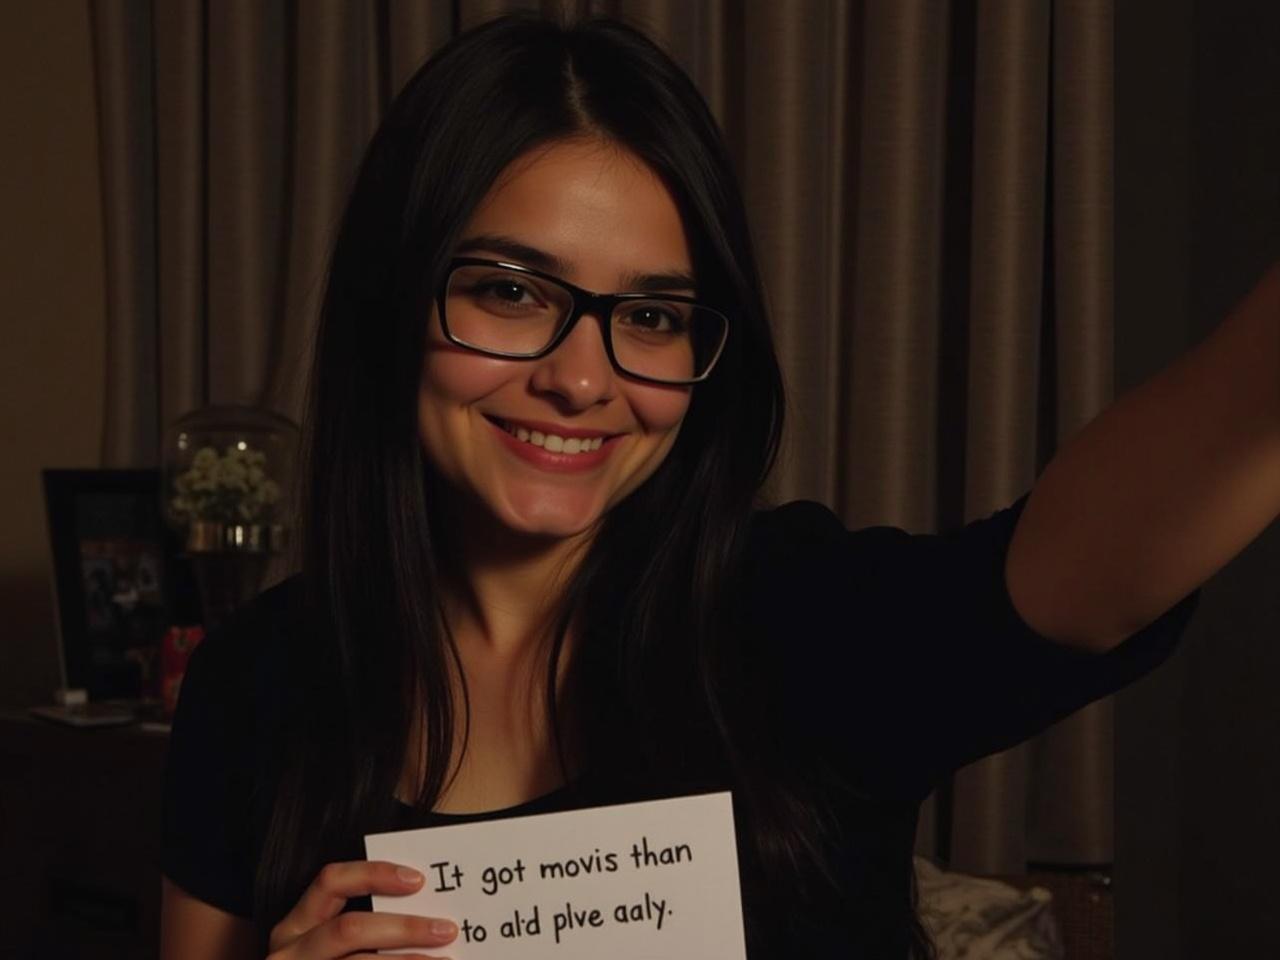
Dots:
{"x": 555, "y": 443}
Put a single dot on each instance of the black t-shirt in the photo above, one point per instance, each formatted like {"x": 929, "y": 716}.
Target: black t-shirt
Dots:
{"x": 897, "y": 657}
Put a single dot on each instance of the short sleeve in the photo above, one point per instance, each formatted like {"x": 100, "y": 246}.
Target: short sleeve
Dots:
{"x": 904, "y": 656}
{"x": 206, "y": 837}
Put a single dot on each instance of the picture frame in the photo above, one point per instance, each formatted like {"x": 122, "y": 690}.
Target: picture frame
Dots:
{"x": 112, "y": 554}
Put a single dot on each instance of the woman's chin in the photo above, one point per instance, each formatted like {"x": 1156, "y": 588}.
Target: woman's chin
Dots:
{"x": 555, "y": 517}
{"x": 550, "y": 526}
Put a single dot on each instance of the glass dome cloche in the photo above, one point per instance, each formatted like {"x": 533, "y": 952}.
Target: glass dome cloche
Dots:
{"x": 227, "y": 479}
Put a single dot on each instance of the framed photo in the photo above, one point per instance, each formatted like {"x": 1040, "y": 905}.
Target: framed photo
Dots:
{"x": 111, "y": 552}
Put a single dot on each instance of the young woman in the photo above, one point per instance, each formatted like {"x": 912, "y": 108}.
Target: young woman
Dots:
{"x": 536, "y": 575}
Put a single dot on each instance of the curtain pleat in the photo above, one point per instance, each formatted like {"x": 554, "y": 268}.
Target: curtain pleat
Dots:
{"x": 122, "y": 60}
{"x": 472, "y": 13}
{"x": 335, "y": 106}
{"x": 1083, "y": 210}
{"x": 890, "y": 402}
{"x": 793, "y": 88}
{"x": 180, "y": 215}
{"x": 929, "y": 188}
{"x": 415, "y": 29}
{"x": 246, "y": 228}
{"x": 1010, "y": 146}
{"x": 1074, "y": 821}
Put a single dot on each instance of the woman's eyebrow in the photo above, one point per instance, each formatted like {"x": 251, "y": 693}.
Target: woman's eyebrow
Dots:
{"x": 513, "y": 250}
{"x": 549, "y": 263}
{"x": 669, "y": 281}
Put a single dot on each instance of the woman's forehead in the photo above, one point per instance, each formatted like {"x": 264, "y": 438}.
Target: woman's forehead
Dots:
{"x": 596, "y": 210}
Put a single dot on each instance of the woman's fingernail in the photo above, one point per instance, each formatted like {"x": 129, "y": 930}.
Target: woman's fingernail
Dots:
{"x": 409, "y": 875}
{"x": 444, "y": 928}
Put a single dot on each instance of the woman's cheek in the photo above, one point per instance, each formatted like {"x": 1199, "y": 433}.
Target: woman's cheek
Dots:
{"x": 459, "y": 377}
{"x": 452, "y": 380}
{"x": 659, "y": 409}
{"x": 659, "y": 412}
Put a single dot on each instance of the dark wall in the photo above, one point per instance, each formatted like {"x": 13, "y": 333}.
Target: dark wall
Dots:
{"x": 1152, "y": 326}
{"x": 1230, "y": 716}
{"x": 52, "y": 313}
{"x": 1197, "y": 220}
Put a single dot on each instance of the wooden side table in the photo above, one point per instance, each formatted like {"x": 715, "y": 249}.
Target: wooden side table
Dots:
{"x": 80, "y": 831}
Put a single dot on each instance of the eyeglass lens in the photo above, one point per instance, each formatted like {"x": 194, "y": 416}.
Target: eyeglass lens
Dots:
{"x": 503, "y": 311}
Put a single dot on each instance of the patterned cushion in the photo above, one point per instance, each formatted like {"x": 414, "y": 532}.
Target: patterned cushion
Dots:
{"x": 971, "y": 918}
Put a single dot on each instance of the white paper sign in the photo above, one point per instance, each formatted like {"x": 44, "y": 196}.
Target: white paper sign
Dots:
{"x": 635, "y": 881}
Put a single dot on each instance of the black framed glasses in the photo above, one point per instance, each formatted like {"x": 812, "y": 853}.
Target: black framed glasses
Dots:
{"x": 506, "y": 310}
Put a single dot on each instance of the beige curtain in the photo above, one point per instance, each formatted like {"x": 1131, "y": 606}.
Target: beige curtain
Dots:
{"x": 929, "y": 184}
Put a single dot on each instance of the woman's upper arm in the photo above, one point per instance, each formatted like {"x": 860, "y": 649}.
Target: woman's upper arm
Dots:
{"x": 905, "y": 650}
{"x": 191, "y": 929}
{"x": 208, "y": 844}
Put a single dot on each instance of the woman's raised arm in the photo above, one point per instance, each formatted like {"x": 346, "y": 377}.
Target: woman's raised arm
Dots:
{"x": 1159, "y": 491}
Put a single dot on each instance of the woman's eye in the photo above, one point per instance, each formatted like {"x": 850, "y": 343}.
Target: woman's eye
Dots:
{"x": 507, "y": 290}
{"x": 655, "y": 319}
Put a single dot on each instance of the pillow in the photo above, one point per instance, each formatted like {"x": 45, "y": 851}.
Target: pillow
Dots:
{"x": 974, "y": 919}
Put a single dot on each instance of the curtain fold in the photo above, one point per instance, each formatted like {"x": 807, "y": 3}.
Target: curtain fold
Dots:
{"x": 338, "y": 94}
{"x": 929, "y": 187}
{"x": 1083, "y": 311}
{"x": 245, "y": 179}
{"x": 1008, "y": 215}
{"x": 122, "y": 51}
{"x": 178, "y": 55}
{"x": 794, "y": 90}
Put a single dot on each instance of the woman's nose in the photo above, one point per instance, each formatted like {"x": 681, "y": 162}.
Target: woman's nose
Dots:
{"x": 578, "y": 371}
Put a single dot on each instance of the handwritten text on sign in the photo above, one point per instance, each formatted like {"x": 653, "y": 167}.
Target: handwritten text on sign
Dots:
{"x": 629, "y": 882}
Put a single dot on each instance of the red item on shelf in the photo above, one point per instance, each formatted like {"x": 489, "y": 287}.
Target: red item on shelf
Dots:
{"x": 176, "y": 649}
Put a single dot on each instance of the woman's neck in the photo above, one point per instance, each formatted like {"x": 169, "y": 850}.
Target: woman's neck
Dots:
{"x": 501, "y": 596}
{"x": 502, "y": 590}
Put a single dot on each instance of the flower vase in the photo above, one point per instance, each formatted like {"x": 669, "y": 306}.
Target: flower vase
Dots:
{"x": 228, "y": 472}
{"x": 230, "y": 562}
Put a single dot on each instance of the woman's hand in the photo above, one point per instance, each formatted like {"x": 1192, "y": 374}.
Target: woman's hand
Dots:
{"x": 316, "y": 929}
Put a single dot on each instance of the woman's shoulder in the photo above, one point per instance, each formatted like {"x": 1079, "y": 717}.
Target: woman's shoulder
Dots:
{"x": 804, "y": 528}
{"x": 792, "y": 527}
{"x": 807, "y": 577}
{"x": 802, "y": 538}
{"x": 801, "y": 523}
{"x": 790, "y": 513}
{"x": 259, "y": 628}
{"x": 801, "y": 553}
{"x": 222, "y": 749}
{"x": 247, "y": 655}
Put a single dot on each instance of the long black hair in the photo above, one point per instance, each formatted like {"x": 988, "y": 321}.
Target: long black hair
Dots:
{"x": 656, "y": 678}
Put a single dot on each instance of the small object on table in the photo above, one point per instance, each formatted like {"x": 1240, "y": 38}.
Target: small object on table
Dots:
{"x": 71, "y": 706}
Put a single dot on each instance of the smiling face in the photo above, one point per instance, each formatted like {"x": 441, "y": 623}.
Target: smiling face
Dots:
{"x": 593, "y": 214}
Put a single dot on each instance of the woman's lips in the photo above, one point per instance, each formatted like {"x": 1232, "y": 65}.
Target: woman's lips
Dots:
{"x": 559, "y": 461}
{"x": 549, "y": 429}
